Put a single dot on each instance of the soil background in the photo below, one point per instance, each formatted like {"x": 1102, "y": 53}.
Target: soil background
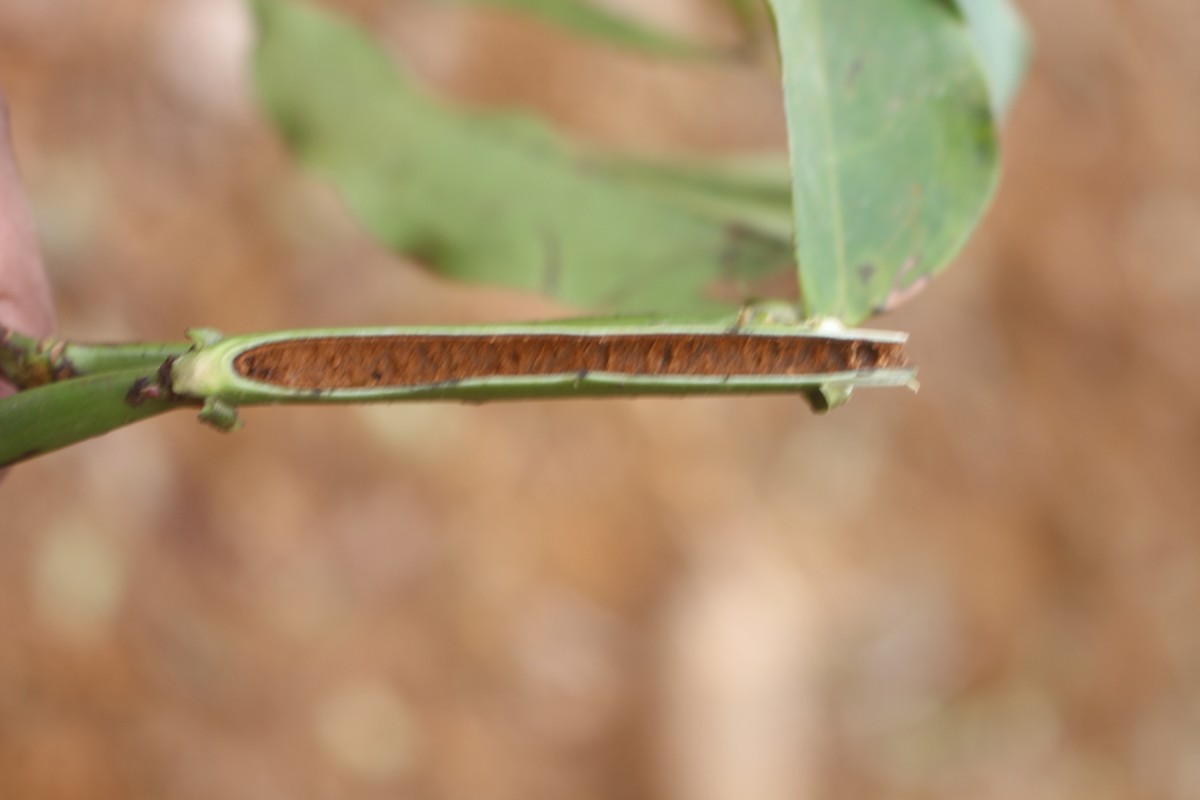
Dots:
{"x": 985, "y": 590}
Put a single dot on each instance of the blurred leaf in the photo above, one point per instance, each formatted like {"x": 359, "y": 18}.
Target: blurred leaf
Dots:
{"x": 1003, "y": 46}
{"x": 585, "y": 18}
{"x": 490, "y": 198}
{"x": 893, "y": 146}
{"x": 745, "y": 11}
{"x": 752, "y": 192}
{"x": 750, "y": 14}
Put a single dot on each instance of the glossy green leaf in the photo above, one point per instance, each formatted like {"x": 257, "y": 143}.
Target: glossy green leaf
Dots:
{"x": 586, "y": 18}
{"x": 893, "y": 146}
{"x": 488, "y": 198}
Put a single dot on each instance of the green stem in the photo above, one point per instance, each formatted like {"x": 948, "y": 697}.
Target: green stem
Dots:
{"x": 27, "y": 362}
{"x": 36, "y": 421}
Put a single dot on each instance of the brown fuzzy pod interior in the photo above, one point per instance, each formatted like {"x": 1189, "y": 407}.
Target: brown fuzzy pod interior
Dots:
{"x": 364, "y": 362}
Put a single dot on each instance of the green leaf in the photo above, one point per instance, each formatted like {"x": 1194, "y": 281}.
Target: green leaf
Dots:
{"x": 489, "y": 198}
{"x": 584, "y": 18}
{"x": 893, "y": 146}
{"x": 753, "y": 192}
{"x": 1003, "y": 46}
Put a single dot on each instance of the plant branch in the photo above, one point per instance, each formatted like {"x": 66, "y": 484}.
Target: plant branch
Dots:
{"x": 28, "y": 362}
{"x": 79, "y": 391}
{"x": 36, "y": 421}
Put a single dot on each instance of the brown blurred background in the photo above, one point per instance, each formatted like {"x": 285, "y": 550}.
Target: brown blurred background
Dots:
{"x": 987, "y": 590}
